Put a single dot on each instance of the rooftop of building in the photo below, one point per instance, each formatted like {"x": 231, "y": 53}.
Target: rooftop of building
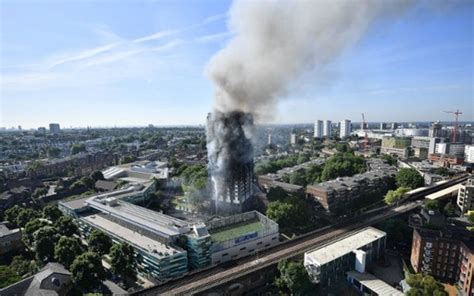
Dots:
{"x": 236, "y": 230}
{"x": 230, "y": 227}
{"x": 4, "y": 230}
{"x": 332, "y": 251}
{"x": 153, "y": 221}
{"x": 347, "y": 182}
{"x": 152, "y": 246}
{"x": 137, "y": 172}
{"x": 376, "y": 285}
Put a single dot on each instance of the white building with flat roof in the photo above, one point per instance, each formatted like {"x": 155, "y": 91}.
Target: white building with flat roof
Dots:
{"x": 327, "y": 131}
{"x": 469, "y": 153}
{"x": 345, "y": 129}
{"x": 329, "y": 263}
{"x": 318, "y": 129}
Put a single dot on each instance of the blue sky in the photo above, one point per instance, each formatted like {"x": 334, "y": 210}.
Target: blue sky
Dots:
{"x": 129, "y": 63}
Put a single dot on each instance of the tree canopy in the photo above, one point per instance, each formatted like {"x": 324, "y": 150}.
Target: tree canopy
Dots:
{"x": 122, "y": 260}
{"x": 99, "y": 242}
{"x": 51, "y": 212}
{"x": 67, "y": 249}
{"x": 341, "y": 165}
{"x": 410, "y": 178}
{"x": 87, "y": 271}
{"x": 291, "y": 213}
{"x": 294, "y": 277}
{"x": 66, "y": 226}
{"x": 45, "y": 239}
{"x": 424, "y": 285}
{"x": 393, "y": 196}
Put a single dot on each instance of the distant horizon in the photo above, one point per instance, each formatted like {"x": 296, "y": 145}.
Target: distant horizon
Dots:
{"x": 12, "y": 128}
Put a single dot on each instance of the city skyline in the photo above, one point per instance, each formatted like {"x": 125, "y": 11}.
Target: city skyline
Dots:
{"x": 94, "y": 64}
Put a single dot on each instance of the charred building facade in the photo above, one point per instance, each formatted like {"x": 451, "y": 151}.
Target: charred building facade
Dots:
{"x": 230, "y": 154}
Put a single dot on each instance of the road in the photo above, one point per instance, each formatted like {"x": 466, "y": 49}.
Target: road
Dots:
{"x": 203, "y": 280}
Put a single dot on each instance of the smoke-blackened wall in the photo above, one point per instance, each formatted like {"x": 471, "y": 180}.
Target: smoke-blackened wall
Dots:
{"x": 230, "y": 153}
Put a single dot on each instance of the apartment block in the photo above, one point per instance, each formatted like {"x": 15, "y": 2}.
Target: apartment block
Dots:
{"x": 337, "y": 195}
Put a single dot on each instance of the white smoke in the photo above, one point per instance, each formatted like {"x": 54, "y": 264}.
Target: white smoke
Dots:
{"x": 277, "y": 41}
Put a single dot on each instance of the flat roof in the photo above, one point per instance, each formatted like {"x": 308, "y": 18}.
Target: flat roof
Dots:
{"x": 156, "y": 222}
{"x": 75, "y": 203}
{"x": 153, "y": 247}
{"x": 344, "y": 246}
{"x": 236, "y": 230}
{"x": 444, "y": 192}
{"x": 376, "y": 285}
{"x": 5, "y": 231}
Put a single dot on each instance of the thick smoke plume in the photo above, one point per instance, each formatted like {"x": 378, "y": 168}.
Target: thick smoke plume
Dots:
{"x": 277, "y": 41}
{"x": 274, "y": 43}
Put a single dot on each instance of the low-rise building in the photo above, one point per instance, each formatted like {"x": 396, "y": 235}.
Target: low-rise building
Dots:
{"x": 241, "y": 235}
{"x": 398, "y": 146}
{"x": 465, "y": 200}
{"x": 339, "y": 194}
{"x": 328, "y": 264}
{"x": 10, "y": 239}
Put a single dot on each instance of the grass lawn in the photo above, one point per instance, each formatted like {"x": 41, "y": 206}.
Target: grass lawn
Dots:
{"x": 235, "y": 231}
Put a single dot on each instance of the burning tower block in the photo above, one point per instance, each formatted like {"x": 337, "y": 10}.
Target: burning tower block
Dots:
{"x": 230, "y": 154}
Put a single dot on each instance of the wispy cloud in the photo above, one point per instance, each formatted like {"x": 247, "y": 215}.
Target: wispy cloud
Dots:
{"x": 215, "y": 18}
{"x": 88, "y": 53}
{"x": 214, "y": 37}
{"x": 156, "y": 36}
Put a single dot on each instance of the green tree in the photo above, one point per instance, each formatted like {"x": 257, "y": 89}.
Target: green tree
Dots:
{"x": 298, "y": 178}
{"x": 449, "y": 210}
{"x": 66, "y": 226}
{"x": 8, "y": 276}
{"x": 122, "y": 260}
{"x": 87, "y": 271}
{"x": 470, "y": 216}
{"x": 77, "y": 148}
{"x": 294, "y": 277}
{"x": 291, "y": 213}
{"x": 410, "y": 178}
{"x": 30, "y": 229}
{"x": 99, "y": 242}
{"x": 52, "y": 213}
{"x": 389, "y": 159}
{"x": 54, "y": 152}
{"x": 97, "y": 175}
{"x": 424, "y": 285}
{"x": 431, "y": 205}
{"x": 341, "y": 165}
{"x": 39, "y": 192}
{"x": 12, "y": 213}
{"x": 44, "y": 241}
{"x": 23, "y": 266}
{"x": 24, "y": 216}
{"x": 397, "y": 231}
{"x": 276, "y": 193}
{"x": 67, "y": 249}
{"x": 342, "y": 147}
{"x": 393, "y": 196}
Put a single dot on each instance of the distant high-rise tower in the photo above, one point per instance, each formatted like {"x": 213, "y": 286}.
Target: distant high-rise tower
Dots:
{"x": 394, "y": 126}
{"x": 345, "y": 129}
{"x": 327, "y": 131}
{"x": 318, "y": 129}
{"x": 293, "y": 139}
{"x": 436, "y": 130}
{"x": 54, "y": 128}
{"x": 383, "y": 126}
{"x": 270, "y": 140}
